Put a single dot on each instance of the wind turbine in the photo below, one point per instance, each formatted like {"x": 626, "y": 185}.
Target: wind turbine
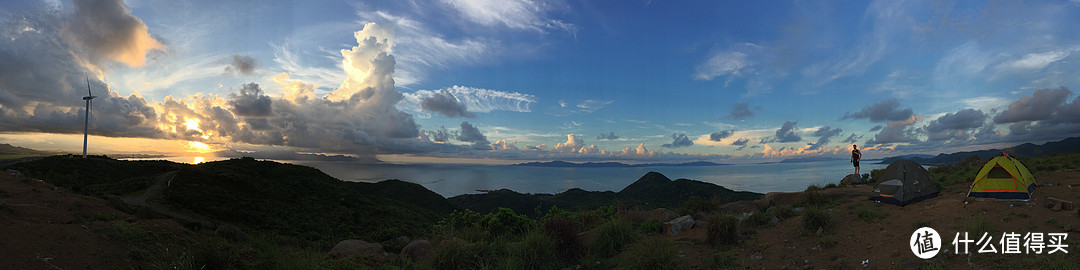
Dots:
{"x": 89, "y": 100}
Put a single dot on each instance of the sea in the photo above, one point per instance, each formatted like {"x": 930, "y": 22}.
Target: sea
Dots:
{"x": 451, "y": 180}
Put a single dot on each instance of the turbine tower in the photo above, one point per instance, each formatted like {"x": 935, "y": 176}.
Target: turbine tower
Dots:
{"x": 89, "y": 100}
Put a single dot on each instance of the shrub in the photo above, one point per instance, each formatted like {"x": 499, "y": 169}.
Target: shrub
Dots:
{"x": 455, "y": 254}
{"x": 611, "y": 237}
{"x": 781, "y": 212}
{"x": 758, "y": 219}
{"x": 723, "y": 231}
{"x": 813, "y": 187}
{"x": 505, "y": 221}
{"x": 831, "y": 185}
{"x": 816, "y": 217}
{"x": 813, "y": 198}
{"x": 536, "y": 251}
{"x": 652, "y": 253}
{"x": 651, "y": 227}
{"x": 695, "y": 205}
{"x": 567, "y": 244}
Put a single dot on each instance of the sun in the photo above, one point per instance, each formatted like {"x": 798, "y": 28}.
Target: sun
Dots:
{"x": 199, "y": 147}
{"x": 192, "y": 123}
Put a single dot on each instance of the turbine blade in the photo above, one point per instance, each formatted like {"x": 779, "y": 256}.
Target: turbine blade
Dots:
{"x": 88, "y": 85}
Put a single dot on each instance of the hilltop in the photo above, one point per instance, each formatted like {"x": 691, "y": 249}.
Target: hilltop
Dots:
{"x": 653, "y": 190}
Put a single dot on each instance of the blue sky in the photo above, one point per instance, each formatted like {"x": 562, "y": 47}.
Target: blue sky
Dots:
{"x": 638, "y": 81}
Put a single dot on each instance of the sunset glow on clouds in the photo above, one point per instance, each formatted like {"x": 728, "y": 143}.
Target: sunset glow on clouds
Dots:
{"x": 538, "y": 80}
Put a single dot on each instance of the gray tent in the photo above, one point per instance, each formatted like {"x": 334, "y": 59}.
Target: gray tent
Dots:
{"x": 904, "y": 182}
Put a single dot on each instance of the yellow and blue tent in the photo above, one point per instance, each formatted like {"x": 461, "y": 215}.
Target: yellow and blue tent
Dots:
{"x": 1003, "y": 177}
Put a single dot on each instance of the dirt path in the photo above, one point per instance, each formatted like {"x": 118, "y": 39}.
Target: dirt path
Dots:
{"x": 163, "y": 181}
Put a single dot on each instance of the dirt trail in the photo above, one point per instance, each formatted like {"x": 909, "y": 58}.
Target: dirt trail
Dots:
{"x": 162, "y": 182}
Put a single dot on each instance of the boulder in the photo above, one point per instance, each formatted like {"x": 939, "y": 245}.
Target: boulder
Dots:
{"x": 356, "y": 248}
{"x": 680, "y": 224}
{"x": 417, "y": 250}
{"x": 232, "y": 233}
{"x": 780, "y": 199}
{"x": 852, "y": 179}
{"x": 738, "y": 207}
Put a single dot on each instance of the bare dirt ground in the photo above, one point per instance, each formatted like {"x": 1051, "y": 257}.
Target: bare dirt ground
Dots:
{"x": 882, "y": 243}
{"x": 46, "y": 228}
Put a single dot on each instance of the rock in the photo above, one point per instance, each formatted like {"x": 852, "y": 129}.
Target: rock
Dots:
{"x": 417, "y": 250}
{"x": 780, "y": 198}
{"x": 356, "y": 248}
{"x": 14, "y": 173}
{"x": 738, "y": 207}
{"x": 852, "y": 179}
{"x": 1057, "y": 207}
{"x": 820, "y": 232}
{"x": 679, "y": 224}
{"x": 232, "y": 233}
{"x": 395, "y": 245}
{"x": 1065, "y": 205}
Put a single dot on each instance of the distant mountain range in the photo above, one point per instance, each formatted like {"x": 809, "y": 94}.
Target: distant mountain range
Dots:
{"x": 7, "y": 149}
{"x": 563, "y": 164}
{"x": 1070, "y": 145}
{"x": 651, "y": 190}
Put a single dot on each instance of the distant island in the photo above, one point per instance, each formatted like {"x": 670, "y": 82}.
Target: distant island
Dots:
{"x": 1070, "y": 145}
{"x": 810, "y": 159}
{"x": 565, "y": 164}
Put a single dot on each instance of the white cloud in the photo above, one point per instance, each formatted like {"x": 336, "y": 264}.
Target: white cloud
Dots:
{"x": 475, "y": 99}
{"x": 592, "y": 105}
{"x": 1034, "y": 61}
{"x": 722, "y": 64}
{"x": 515, "y": 14}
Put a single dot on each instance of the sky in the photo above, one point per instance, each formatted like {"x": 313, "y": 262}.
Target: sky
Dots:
{"x": 518, "y": 80}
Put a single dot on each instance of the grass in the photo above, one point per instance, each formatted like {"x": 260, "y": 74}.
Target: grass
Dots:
{"x": 869, "y": 214}
{"x": 828, "y": 241}
{"x": 724, "y": 259}
{"x": 758, "y": 220}
{"x": 920, "y": 223}
{"x": 723, "y": 230}
{"x": 817, "y": 217}
{"x": 611, "y": 237}
{"x": 651, "y": 253}
{"x": 536, "y": 251}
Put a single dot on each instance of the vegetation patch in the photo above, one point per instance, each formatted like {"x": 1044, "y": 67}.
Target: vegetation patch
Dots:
{"x": 869, "y": 214}
{"x": 724, "y": 230}
{"x": 652, "y": 253}
{"x": 611, "y": 237}
{"x": 817, "y": 217}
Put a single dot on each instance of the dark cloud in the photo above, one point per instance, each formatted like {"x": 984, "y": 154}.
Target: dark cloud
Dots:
{"x": 740, "y": 111}
{"x": 679, "y": 140}
{"x": 244, "y": 65}
{"x": 105, "y": 29}
{"x": 893, "y": 133}
{"x": 884, "y": 111}
{"x": 469, "y": 133}
{"x": 741, "y": 143}
{"x": 250, "y": 102}
{"x": 1040, "y": 106}
{"x": 852, "y": 138}
{"x": 610, "y": 136}
{"x": 876, "y": 128}
{"x": 717, "y": 136}
{"x": 446, "y": 104}
{"x": 955, "y": 125}
{"x": 786, "y": 133}
{"x": 824, "y": 135}
{"x": 439, "y": 135}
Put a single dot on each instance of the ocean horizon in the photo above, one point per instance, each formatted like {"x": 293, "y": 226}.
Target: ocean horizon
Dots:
{"x": 452, "y": 180}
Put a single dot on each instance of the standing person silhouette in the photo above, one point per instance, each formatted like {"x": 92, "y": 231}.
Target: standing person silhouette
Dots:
{"x": 855, "y": 156}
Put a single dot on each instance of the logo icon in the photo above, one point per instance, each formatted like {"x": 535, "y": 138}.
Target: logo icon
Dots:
{"x": 925, "y": 243}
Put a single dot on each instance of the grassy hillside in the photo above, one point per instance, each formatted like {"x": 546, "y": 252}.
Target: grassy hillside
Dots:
{"x": 302, "y": 201}
{"x": 96, "y": 175}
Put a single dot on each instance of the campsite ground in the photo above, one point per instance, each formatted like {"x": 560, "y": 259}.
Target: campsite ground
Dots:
{"x": 879, "y": 234}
